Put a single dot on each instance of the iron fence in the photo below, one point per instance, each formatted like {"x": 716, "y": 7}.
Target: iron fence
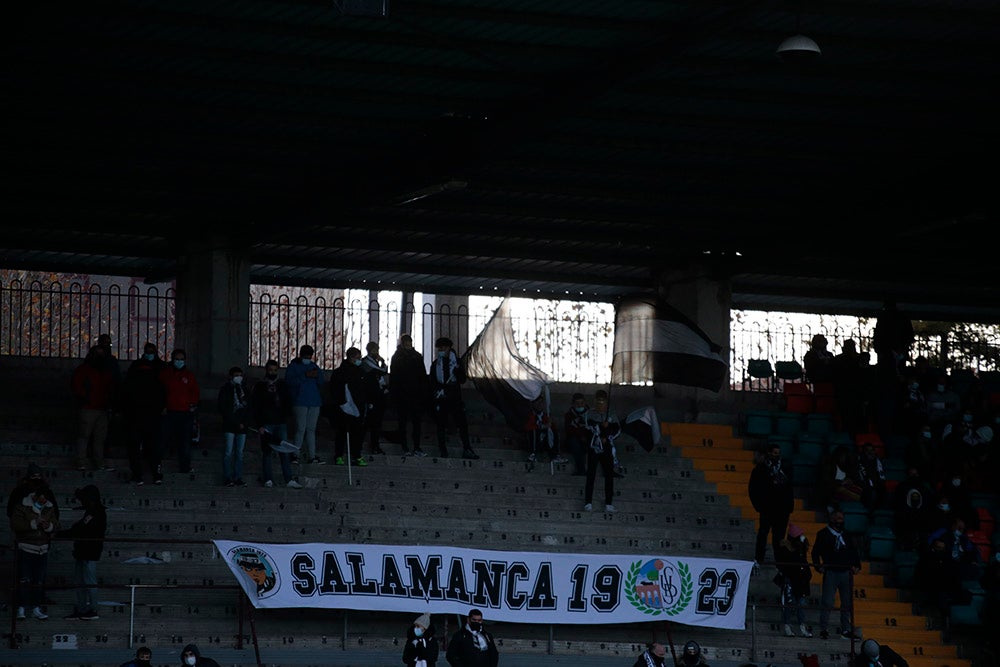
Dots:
{"x": 565, "y": 339}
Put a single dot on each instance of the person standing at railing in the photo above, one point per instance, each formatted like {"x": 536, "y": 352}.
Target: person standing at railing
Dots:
{"x": 408, "y": 391}
{"x": 94, "y": 388}
{"x": 88, "y": 533}
{"x": 35, "y": 522}
{"x": 447, "y": 375}
{"x": 183, "y": 396}
{"x": 305, "y": 382}
{"x": 144, "y": 397}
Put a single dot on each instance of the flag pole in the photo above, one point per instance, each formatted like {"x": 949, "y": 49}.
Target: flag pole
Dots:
{"x": 349, "y": 482}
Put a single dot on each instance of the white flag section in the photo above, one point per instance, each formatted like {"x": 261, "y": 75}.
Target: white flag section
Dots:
{"x": 523, "y": 587}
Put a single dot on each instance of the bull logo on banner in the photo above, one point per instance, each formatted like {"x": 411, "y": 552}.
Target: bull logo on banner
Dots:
{"x": 659, "y": 586}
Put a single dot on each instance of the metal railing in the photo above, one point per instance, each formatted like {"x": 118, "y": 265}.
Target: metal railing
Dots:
{"x": 62, "y": 320}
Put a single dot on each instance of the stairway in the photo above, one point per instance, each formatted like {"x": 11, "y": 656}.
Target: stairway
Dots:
{"x": 879, "y": 613}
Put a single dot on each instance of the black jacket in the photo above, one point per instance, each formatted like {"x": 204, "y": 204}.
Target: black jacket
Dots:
{"x": 407, "y": 375}
{"x": 142, "y": 390}
{"x": 234, "y": 406}
{"x": 886, "y": 658}
{"x": 202, "y": 661}
{"x": 463, "y": 651}
{"x": 420, "y": 648}
{"x": 452, "y": 385}
{"x": 767, "y": 495}
{"x": 89, "y": 531}
{"x": 828, "y": 553}
{"x": 270, "y": 403}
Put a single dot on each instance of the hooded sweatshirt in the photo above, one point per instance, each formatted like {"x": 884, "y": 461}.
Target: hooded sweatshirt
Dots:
{"x": 90, "y": 529}
{"x": 201, "y": 662}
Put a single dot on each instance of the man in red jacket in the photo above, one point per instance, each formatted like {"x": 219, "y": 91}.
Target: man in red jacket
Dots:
{"x": 182, "y": 402}
{"x": 93, "y": 387}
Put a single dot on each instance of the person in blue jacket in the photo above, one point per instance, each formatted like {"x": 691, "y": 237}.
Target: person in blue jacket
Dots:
{"x": 305, "y": 383}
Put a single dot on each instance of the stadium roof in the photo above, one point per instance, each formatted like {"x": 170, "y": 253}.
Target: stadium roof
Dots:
{"x": 552, "y": 147}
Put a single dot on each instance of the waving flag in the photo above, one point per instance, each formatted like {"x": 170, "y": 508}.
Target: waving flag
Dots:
{"x": 504, "y": 378}
{"x": 655, "y": 342}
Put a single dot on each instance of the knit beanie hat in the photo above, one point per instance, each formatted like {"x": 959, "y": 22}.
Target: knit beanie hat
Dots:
{"x": 794, "y": 531}
{"x": 424, "y": 620}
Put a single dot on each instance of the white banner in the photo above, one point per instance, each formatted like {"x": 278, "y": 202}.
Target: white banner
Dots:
{"x": 522, "y": 587}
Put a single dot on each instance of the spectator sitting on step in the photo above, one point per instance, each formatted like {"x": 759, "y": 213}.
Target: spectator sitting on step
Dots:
{"x": 836, "y": 478}
{"x": 963, "y": 553}
{"x": 541, "y": 434}
{"x": 578, "y": 434}
{"x": 192, "y": 657}
{"x": 143, "y": 658}
{"x": 655, "y": 655}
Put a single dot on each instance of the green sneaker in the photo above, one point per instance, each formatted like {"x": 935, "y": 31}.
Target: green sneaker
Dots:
{"x": 361, "y": 462}
{"x": 339, "y": 461}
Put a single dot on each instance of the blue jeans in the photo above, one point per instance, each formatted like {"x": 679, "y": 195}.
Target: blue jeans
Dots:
{"x": 232, "y": 460}
{"x": 280, "y": 431}
{"x": 31, "y": 570}
{"x": 85, "y": 579}
{"x": 836, "y": 582}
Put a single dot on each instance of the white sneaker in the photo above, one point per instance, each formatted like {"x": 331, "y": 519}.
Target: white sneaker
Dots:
{"x": 268, "y": 484}
{"x": 788, "y": 631}
{"x": 39, "y": 614}
{"x": 588, "y": 507}
{"x": 804, "y": 631}
{"x": 609, "y": 508}
{"x": 20, "y": 613}
{"x": 293, "y": 485}
{"x": 532, "y": 458}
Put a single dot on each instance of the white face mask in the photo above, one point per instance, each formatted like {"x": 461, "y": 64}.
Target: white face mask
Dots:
{"x": 237, "y": 379}
{"x": 307, "y": 361}
{"x": 191, "y": 660}
{"x": 957, "y": 481}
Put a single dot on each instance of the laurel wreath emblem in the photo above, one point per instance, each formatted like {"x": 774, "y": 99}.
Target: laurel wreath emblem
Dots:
{"x": 687, "y": 591}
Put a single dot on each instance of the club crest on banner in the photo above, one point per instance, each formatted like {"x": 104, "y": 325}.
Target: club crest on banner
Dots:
{"x": 258, "y": 568}
{"x": 659, "y": 586}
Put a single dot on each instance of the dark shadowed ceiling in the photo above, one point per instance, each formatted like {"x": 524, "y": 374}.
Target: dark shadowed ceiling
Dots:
{"x": 552, "y": 147}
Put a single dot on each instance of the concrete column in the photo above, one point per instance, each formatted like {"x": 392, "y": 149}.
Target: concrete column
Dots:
{"x": 213, "y": 310}
{"x": 705, "y": 299}
{"x": 450, "y": 318}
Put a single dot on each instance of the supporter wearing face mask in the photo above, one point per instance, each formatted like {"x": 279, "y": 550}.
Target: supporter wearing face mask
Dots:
{"x": 578, "y": 434}
{"x": 472, "y": 645}
{"x": 836, "y": 558}
{"x": 191, "y": 657}
{"x": 143, "y": 658}
{"x": 349, "y": 390}
{"x": 447, "y": 375}
{"x": 421, "y": 648}
{"x": 234, "y": 406}
{"x": 183, "y": 396}
{"x": 305, "y": 382}
{"x": 794, "y": 575}
{"x": 144, "y": 398}
{"x": 271, "y": 407}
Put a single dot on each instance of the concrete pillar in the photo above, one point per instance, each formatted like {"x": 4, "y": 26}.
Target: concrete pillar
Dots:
{"x": 450, "y": 317}
{"x": 705, "y": 299}
{"x": 213, "y": 310}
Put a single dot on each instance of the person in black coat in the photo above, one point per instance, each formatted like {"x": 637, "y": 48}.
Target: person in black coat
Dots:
{"x": 771, "y": 493}
{"x": 421, "y": 648}
{"x": 836, "y": 558}
{"x": 234, "y": 406}
{"x": 192, "y": 657}
{"x": 408, "y": 391}
{"x": 348, "y": 388}
{"x": 88, "y": 543}
{"x": 447, "y": 375}
{"x": 655, "y": 655}
{"x": 472, "y": 646}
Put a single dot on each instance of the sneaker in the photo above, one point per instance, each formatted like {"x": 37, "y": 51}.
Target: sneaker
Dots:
{"x": 339, "y": 461}
{"x": 230, "y": 483}
{"x": 89, "y": 616}
{"x": 560, "y": 459}
{"x": 361, "y": 462}
{"x": 823, "y": 634}
{"x": 39, "y": 614}
{"x": 268, "y": 484}
{"x": 788, "y": 631}
{"x": 849, "y": 634}
{"x": 294, "y": 458}
{"x": 419, "y": 453}
{"x": 20, "y": 613}
{"x": 588, "y": 507}
{"x": 158, "y": 482}
{"x": 108, "y": 467}
{"x": 609, "y": 508}
{"x": 804, "y": 631}
{"x": 240, "y": 482}
{"x": 532, "y": 458}
{"x": 293, "y": 485}
{"x": 378, "y": 450}
{"x": 317, "y": 460}
{"x": 469, "y": 454}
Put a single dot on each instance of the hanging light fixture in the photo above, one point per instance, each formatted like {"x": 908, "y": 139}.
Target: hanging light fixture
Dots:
{"x": 798, "y": 47}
